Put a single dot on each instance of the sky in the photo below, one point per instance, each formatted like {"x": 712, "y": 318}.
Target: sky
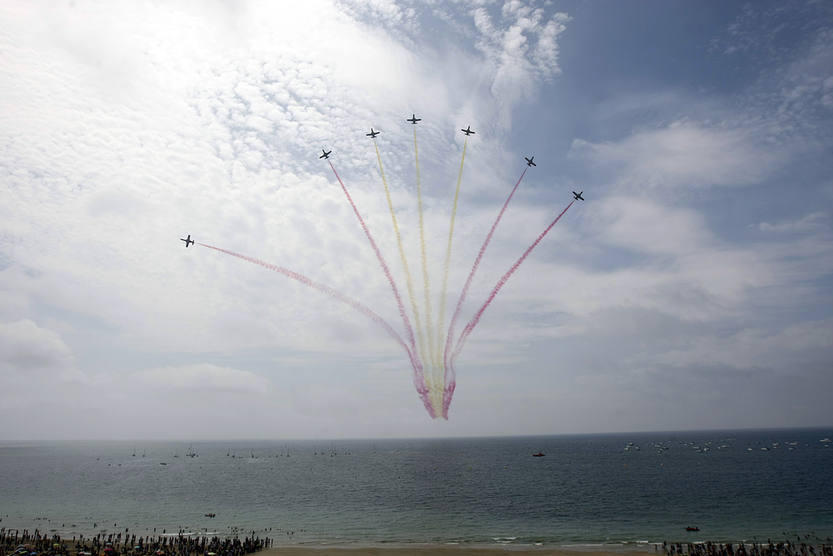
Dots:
{"x": 691, "y": 290}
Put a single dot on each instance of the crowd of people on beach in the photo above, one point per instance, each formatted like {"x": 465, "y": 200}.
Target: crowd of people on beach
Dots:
{"x": 786, "y": 548}
{"x": 14, "y": 542}
{"x": 25, "y": 543}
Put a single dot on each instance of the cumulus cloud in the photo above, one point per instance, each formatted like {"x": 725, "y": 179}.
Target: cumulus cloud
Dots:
{"x": 755, "y": 348}
{"x": 38, "y": 369}
{"x": 382, "y": 12}
{"x": 684, "y": 154}
{"x": 521, "y": 48}
{"x": 200, "y": 378}
{"x": 525, "y": 37}
{"x": 650, "y": 227}
{"x": 28, "y": 350}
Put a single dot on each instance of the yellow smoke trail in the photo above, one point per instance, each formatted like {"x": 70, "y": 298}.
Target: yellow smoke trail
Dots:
{"x": 436, "y": 374}
{"x": 408, "y": 282}
{"x": 441, "y": 317}
{"x": 427, "y": 284}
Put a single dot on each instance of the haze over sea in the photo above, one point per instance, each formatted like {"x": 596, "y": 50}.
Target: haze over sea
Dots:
{"x": 587, "y": 489}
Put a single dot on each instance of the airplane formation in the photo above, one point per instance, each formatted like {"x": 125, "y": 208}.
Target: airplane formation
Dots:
{"x": 413, "y": 120}
{"x": 468, "y": 131}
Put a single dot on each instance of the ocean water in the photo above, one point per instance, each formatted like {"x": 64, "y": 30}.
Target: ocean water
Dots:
{"x": 587, "y": 489}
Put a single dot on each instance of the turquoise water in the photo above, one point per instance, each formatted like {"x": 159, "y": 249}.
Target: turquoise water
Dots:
{"x": 625, "y": 488}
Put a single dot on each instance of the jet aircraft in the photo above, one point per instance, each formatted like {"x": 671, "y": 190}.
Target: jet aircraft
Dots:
{"x": 372, "y": 133}
{"x": 326, "y": 154}
{"x": 188, "y": 241}
{"x": 578, "y": 196}
{"x": 413, "y": 119}
{"x": 529, "y": 161}
{"x": 467, "y": 131}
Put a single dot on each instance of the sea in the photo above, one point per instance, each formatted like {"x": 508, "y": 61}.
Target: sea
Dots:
{"x": 610, "y": 490}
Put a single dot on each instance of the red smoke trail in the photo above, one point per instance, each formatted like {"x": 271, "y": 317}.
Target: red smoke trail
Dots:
{"x": 361, "y": 308}
{"x": 420, "y": 377}
{"x": 474, "y": 268}
{"x": 450, "y": 385}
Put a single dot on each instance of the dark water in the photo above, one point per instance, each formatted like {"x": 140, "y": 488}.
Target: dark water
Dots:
{"x": 626, "y": 488}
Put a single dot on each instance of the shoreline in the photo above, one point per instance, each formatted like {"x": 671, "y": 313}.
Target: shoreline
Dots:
{"x": 447, "y": 550}
{"x": 12, "y": 542}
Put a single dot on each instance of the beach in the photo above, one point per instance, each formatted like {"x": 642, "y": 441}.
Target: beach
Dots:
{"x": 427, "y": 550}
{"x": 35, "y": 543}
{"x": 785, "y": 548}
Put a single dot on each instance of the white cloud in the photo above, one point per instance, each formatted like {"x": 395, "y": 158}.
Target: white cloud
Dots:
{"x": 650, "y": 227}
{"x": 522, "y": 51}
{"x": 200, "y": 378}
{"x": 384, "y": 12}
{"x": 811, "y": 222}
{"x": 37, "y": 369}
{"x": 808, "y": 83}
{"x": 754, "y": 348}
{"x": 28, "y": 350}
{"x": 684, "y": 154}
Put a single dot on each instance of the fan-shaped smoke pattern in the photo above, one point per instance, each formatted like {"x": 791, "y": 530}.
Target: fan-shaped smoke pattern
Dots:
{"x": 436, "y": 383}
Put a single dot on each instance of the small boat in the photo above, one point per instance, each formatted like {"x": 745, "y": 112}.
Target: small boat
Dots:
{"x": 538, "y": 455}
{"x": 689, "y": 528}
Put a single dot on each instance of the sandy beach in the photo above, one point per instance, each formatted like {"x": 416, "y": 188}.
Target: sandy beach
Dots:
{"x": 429, "y": 550}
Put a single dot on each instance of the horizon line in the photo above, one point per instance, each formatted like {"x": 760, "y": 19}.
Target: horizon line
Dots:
{"x": 4, "y": 441}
